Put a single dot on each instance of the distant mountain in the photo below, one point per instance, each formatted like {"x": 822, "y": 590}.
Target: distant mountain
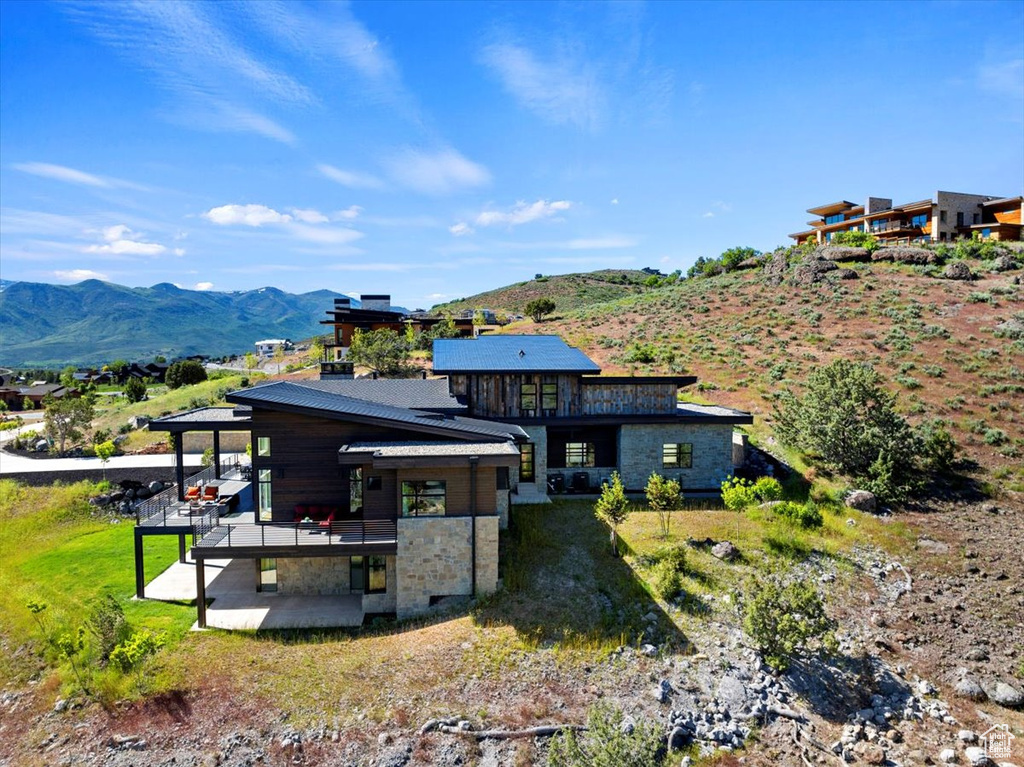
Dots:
{"x": 95, "y": 322}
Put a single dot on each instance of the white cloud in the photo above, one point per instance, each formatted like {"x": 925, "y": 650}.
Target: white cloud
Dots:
{"x": 61, "y": 173}
{"x": 442, "y": 172}
{"x": 122, "y": 241}
{"x": 351, "y": 179}
{"x": 350, "y": 213}
{"x": 709, "y": 214}
{"x": 309, "y": 216}
{"x": 179, "y": 251}
{"x": 460, "y": 229}
{"x": 615, "y": 201}
{"x": 248, "y": 215}
{"x": 522, "y": 213}
{"x": 559, "y": 91}
{"x": 436, "y": 296}
{"x": 203, "y": 286}
{"x": 77, "y": 275}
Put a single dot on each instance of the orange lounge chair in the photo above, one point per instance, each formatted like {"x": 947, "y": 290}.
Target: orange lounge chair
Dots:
{"x": 192, "y": 493}
{"x": 210, "y": 493}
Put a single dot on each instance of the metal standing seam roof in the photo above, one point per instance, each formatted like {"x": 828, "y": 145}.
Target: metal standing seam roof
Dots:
{"x": 288, "y": 395}
{"x": 431, "y": 449}
{"x": 206, "y": 415}
{"x": 415, "y": 393}
{"x": 684, "y": 409}
{"x": 510, "y": 354}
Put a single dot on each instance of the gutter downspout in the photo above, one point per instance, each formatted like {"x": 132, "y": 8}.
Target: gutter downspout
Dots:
{"x": 473, "y": 463}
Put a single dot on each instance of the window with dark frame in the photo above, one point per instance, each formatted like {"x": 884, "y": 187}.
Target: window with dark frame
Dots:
{"x": 579, "y": 455}
{"x": 528, "y": 397}
{"x": 549, "y": 398}
{"x": 526, "y": 462}
{"x": 264, "y": 495}
{"x": 355, "y": 489}
{"x": 263, "y": 447}
{"x": 424, "y": 498}
{"x": 374, "y": 482}
{"x": 376, "y": 575}
{"x": 677, "y": 455}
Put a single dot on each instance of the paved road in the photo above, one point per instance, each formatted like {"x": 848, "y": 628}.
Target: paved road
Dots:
{"x": 18, "y": 464}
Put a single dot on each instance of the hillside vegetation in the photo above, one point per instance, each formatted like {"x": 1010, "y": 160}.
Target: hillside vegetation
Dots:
{"x": 937, "y": 342}
{"x": 94, "y": 322}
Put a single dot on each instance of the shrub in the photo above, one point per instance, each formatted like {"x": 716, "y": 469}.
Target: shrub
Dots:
{"x": 108, "y": 624}
{"x": 803, "y": 514}
{"x": 663, "y": 497}
{"x": 130, "y": 653}
{"x": 784, "y": 620}
{"x": 737, "y": 493}
{"x": 134, "y": 390}
{"x": 939, "y": 449}
{"x": 184, "y": 373}
{"x": 612, "y": 508}
{"x": 607, "y": 742}
{"x": 767, "y": 489}
{"x": 857, "y": 239}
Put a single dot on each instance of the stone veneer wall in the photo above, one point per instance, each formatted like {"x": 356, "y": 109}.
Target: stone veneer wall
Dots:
{"x": 640, "y": 450}
{"x": 313, "y": 576}
{"x": 501, "y": 502}
{"x": 539, "y": 437}
{"x": 486, "y": 555}
{"x": 435, "y": 560}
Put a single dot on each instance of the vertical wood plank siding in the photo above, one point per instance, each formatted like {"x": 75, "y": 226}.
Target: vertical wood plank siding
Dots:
{"x": 499, "y": 396}
{"x": 629, "y": 399}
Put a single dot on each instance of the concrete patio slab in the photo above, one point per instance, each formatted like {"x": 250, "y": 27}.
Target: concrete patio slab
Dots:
{"x": 178, "y": 582}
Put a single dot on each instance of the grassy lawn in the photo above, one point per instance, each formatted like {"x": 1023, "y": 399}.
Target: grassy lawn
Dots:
{"x": 53, "y": 550}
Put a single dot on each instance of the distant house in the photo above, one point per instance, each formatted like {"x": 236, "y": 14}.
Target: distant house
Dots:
{"x": 269, "y": 346}
{"x": 15, "y": 396}
{"x": 92, "y": 376}
{"x": 944, "y": 217}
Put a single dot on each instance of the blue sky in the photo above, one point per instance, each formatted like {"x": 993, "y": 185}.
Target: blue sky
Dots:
{"x": 433, "y": 150}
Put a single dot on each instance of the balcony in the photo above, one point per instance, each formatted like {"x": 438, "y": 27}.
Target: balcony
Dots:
{"x": 894, "y": 227}
{"x": 370, "y": 536}
{"x": 338, "y": 368}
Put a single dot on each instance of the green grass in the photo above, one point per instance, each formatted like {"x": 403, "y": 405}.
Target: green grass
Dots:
{"x": 54, "y": 551}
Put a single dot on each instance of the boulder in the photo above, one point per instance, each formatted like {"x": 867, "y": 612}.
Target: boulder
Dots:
{"x": 749, "y": 263}
{"x": 812, "y": 271}
{"x": 847, "y": 274}
{"x": 1004, "y": 264}
{"x": 843, "y": 253}
{"x": 41, "y": 446}
{"x": 138, "y": 421}
{"x": 156, "y": 486}
{"x": 862, "y": 500}
{"x": 957, "y": 270}
{"x": 871, "y": 753}
{"x": 904, "y": 255}
{"x": 775, "y": 268}
{"x": 1005, "y": 694}
{"x": 976, "y": 757}
{"x": 947, "y": 756}
{"x": 725, "y": 551}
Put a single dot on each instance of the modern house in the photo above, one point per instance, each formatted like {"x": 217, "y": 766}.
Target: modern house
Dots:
{"x": 390, "y": 493}
{"x": 944, "y": 217}
{"x": 374, "y": 313}
{"x": 268, "y": 346}
{"x": 583, "y": 426}
{"x": 15, "y": 396}
{"x": 379, "y": 490}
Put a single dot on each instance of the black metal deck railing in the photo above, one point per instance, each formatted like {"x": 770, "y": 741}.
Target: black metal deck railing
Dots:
{"x": 347, "y": 533}
{"x": 165, "y": 504}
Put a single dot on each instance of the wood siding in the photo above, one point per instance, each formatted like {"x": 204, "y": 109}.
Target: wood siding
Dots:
{"x": 305, "y": 468}
{"x": 498, "y": 396}
{"x": 629, "y": 399}
{"x": 1009, "y": 216}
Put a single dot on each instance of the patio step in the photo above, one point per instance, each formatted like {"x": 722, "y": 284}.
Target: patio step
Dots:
{"x": 525, "y": 494}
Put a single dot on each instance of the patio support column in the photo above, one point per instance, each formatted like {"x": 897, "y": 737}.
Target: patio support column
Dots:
{"x": 201, "y": 593}
{"x": 181, "y": 548}
{"x": 216, "y": 454}
{"x": 473, "y": 463}
{"x": 179, "y": 463}
{"x": 140, "y": 570}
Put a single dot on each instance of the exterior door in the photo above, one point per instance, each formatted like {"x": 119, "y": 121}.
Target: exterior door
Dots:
{"x": 526, "y": 471}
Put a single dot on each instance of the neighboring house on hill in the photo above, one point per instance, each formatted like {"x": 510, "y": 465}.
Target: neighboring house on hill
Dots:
{"x": 944, "y": 217}
{"x": 404, "y": 495}
{"x": 583, "y": 426}
{"x": 268, "y": 346}
{"x": 15, "y": 396}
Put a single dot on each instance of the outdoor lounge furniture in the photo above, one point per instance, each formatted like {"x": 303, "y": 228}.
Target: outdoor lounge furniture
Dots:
{"x": 192, "y": 493}
{"x": 323, "y": 515}
{"x": 210, "y": 493}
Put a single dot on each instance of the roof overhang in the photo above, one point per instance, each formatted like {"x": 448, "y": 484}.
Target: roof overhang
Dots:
{"x": 638, "y": 380}
{"x": 393, "y": 455}
{"x": 203, "y": 419}
{"x": 831, "y": 208}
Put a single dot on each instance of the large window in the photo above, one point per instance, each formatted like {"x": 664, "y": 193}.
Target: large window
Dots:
{"x": 549, "y": 398}
{"x": 528, "y": 398}
{"x": 579, "y": 454}
{"x": 263, "y": 447}
{"x": 423, "y": 498}
{"x": 920, "y": 221}
{"x": 835, "y": 219}
{"x": 263, "y": 495}
{"x": 677, "y": 455}
{"x": 376, "y": 575}
{"x": 526, "y": 463}
{"x": 355, "y": 490}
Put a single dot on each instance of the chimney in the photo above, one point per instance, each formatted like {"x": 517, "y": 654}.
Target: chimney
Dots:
{"x": 343, "y": 303}
{"x": 876, "y": 204}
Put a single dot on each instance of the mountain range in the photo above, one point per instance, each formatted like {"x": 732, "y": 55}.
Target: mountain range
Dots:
{"x": 94, "y": 322}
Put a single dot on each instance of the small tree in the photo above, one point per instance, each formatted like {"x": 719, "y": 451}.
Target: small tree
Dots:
{"x": 250, "y": 362}
{"x": 67, "y": 376}
{"x": 134, "y": 390}
{"x": 316, "y": 351}
{"x": 538, "y": 307}
{"x": 28, "y": 404}
{"x": 383, "y": 351}
{"x": 67, "y": 418}
{"x": 129, "y": 655}
{"x": 184, "y": 373}
{"x": 787, "y": 619}
{"x": 118, "y": 368}
{"x": 105, "y": 451}
{"x": 612, "y": 508}
{"x": 279, "y": 356}
{"x": 68, "y": 647}
{"x": 663, "y": 496}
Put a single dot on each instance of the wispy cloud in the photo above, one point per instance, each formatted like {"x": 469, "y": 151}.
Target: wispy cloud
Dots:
{"x": 348, "y": 214}
{"x": 522, "y": 213}
{"x": 245, "y": 215}
{"x": 351, "y": 179}
{"x": 718, "y": 207}
{"x": 460, "y": 229}
{"x": 561, "y": 90}
{"x": 435, "y": 173}
{"x": 78, "y": 275}
{"x": 75, "y": 176}
{"x": 121, "y": 241}
{"x": 309, "y": 216}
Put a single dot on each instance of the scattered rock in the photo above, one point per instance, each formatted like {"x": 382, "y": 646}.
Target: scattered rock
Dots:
{"x": 1005, "y": 695}
{"x": 957, "y": 270}
{"x": 905, "y": 255}
{"x": 1004, "y": 264}
{"x": 967, "y": 736}
{"x": 775, "y": 268}
{"x": 1012, "y": 328}
{"x": 976, "y": 757}
{"x": 871, "y": 753}
{"x": 138, "y": 421}
{"x": 932, "y": 547}
{"x": 725, "y": 551}
{"x": 156, "y": 487}
{"x": 60, "y": 705}
{"x": 663, "y": 691}
{"x": 862, "y": 500}
{"x": 648, "y": 650}
{"x": 977, "y": 654}
{"x": 842, "y": 253}
{"x": 847, "y": 274}
{"x": 812, "y": 271}
{"x": 947, "y": 756}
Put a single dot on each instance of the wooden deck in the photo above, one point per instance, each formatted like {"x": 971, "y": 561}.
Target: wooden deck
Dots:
{"x": 251, "y": 540}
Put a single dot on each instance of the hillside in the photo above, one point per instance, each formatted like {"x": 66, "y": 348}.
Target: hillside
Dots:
{"x": 935, "y": 340}
{"x": 568, "y": 291}
{"x": 94, "y": 322}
